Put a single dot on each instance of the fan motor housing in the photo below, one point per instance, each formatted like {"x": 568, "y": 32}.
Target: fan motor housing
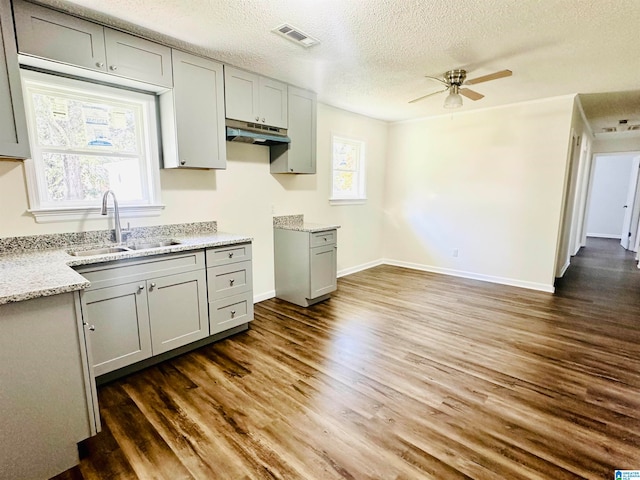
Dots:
{"x": 455, "y": 77}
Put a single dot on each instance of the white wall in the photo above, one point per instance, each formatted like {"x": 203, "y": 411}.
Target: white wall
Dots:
{"x": 489, "y": 183}
{"x": 608, "y": 195}
{"x": 241, "y": 198}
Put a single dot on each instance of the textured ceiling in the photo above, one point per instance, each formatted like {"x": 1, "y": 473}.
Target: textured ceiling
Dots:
{"x": 374, "y": 54}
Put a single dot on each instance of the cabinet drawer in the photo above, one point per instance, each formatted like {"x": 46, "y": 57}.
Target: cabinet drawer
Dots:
{"x": 319, "y": 239}
{"x": 228, "y": 254}
{"x": 106, "y": 274}
{"x": 227, "y": 280}
{"x": 231, "y": 312}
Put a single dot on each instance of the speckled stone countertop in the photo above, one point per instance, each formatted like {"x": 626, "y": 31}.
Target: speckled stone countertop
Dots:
{"x": 296, "y": 222}
{"x": 39, "y": 271}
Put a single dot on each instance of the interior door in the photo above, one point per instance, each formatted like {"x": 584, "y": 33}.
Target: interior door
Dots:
{"x": 630, "y": 223}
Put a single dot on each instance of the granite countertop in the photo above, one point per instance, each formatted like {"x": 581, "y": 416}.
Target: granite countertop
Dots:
{"x": 296, "y": 222}
{"x": 33, "y": 273}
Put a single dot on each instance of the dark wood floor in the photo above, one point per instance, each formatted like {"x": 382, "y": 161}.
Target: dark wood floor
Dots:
{"x": 401, "y": 375}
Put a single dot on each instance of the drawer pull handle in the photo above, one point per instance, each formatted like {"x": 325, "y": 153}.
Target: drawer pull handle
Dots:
{"x": 231, "y": 255}
{"x": 231, "y": 281}
{"x": 233, "y": 313}
{"x": 325, "y": 238}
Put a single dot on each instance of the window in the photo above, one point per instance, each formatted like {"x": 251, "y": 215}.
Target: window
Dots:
{"x": 87, "y": 139}
{"x": 347, "y": 175}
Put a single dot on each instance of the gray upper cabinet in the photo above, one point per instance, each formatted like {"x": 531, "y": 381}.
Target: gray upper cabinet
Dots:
{"x": 56, "y": 36}
{"x": 299, "y": 156}
{"x": 137, "y": 58}
{"x": 192, "y": 114}
{"x": 252, "y": 98}
{"x": 14, "y": 140}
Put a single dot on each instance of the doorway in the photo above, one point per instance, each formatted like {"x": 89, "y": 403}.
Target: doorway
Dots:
{"x": 614, "y": 199}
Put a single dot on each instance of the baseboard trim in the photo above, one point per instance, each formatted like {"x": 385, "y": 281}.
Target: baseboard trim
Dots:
{"x": 563, "y": 270}
{"x": 359, "y": 268}
{"x": 542, "y": 287}
{"x": 604, "y": 235}
{"x": 261, "y": 297}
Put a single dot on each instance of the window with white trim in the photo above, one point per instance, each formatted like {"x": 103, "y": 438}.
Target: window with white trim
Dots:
{"x": 86, "y": 139}
{"x": 347, "y": 171}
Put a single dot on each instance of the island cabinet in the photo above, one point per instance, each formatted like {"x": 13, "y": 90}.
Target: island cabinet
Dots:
{"x": 230, "y": 286}
{"x": 305, "y": 265}
{"x": 192, "y": 114}
{"x": 256, "y": 99}
{"x": 14, "y": 142}
{"x": 143, "y": 307}
{"x": 46, "y": 394}
{"x": 57, "y": 36}
{"x": 299, "y": 156}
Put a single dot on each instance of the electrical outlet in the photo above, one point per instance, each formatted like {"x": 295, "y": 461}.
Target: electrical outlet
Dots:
{"x": 455, "y": 252}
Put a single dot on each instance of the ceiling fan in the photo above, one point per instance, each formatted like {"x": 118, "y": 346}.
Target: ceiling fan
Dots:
{"x": 454, "y": 79}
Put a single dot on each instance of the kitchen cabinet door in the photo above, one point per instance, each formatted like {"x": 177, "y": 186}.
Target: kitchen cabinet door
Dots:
{"x": 57, "y": 36}
{"x": 242, "y": 92}
{"x": 177, "y": 310}
{"x": 192, "y": 115}
{"x": 136, "y": 58}
{"x": 273, "y": 102}
{"x": 118, "y": 322}
{"x": 323, "y": 270}
{"x": 299, "y": 156}
{"x": 14, "y": 141}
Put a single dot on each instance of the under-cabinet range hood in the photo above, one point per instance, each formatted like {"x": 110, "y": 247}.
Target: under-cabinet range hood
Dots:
{"x": 255, "y": 133}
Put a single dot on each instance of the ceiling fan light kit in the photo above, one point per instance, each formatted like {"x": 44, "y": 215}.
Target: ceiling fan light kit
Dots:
{"x": 454, "y": 99}
{"x": 453, "y": 79}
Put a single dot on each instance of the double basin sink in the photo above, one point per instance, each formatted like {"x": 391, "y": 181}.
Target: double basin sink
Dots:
{"x": 120, "y": 249}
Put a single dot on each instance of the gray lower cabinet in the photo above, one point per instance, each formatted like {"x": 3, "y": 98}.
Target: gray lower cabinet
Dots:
{"x": 299, "y": 156}
{"x": 57, "y": 36}
{"x": 230, "y": 286}
{"x": 138, "y": 308}
{"x": 305, "y": 265}
{"x": 192, "y": 114}
{"x": 14, "y": 142}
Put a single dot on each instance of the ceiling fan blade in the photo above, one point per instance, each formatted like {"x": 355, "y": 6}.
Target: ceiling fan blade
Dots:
{"x": 491, "y": 76}
{"x": 470, "y": 94}
{"x": 428, "y": 95}
{"x": 437, "y": 79}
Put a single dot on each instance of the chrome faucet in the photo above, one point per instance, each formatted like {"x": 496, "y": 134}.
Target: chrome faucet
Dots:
{"x": 116, "y": 213}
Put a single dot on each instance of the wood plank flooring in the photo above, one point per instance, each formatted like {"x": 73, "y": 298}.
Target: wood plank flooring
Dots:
{"x": 401, "y": 375}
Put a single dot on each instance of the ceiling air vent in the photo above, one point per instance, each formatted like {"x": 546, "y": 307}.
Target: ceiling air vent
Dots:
{"x": 633, "y": 127}
{"x": 609, "y": 129}
{"x": 295, "y": 35}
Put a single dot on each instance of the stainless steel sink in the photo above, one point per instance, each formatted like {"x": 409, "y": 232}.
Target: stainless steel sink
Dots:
{"x": 98, "y": 251}
{"x": 149, "y": 245}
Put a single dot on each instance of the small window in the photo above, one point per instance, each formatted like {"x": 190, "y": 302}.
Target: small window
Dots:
{"x": 347, "y": 175}
{"x": 87, "y": 139}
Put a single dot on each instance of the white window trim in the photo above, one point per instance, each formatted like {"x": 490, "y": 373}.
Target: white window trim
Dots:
{"x": 362, "y": 174}
{"x": 44, "y": 213}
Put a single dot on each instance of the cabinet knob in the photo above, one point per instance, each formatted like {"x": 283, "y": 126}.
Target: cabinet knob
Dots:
{"x": 114, "y": 67}
{"x": 140, "y": 287}
{"x": 91, "y": 327}
{"x": 183, "y": 162}
{"x": 233, "y": 313}
{"x": 153, "y": 285}
{"x": 231, "y": 255}
{"x": 257, "y": 119}
{"x": 99, "y": 64}
{"x": 231, "y": 281}
{"x": 262, "y": 119}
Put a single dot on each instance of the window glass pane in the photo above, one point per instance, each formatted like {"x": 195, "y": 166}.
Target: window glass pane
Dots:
{"x": 82, "y": 178}
{"x": 345, "y": 156}
{"x": 344, "y": 184}
{"x": 68, "y": 122}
